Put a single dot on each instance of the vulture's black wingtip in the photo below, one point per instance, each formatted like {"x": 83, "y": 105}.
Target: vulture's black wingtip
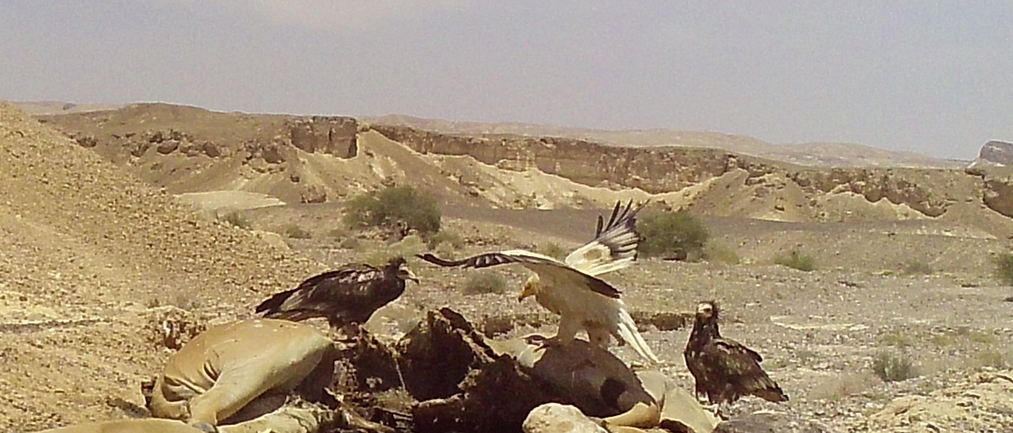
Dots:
{"x": 429, "y": 257}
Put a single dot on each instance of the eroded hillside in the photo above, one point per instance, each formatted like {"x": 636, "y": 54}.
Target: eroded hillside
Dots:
{"x": 317, "y": 159}
{"x": 86, "y": 248}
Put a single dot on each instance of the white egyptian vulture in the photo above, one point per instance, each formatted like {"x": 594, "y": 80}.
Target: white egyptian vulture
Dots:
{"x": 572, "y": 289}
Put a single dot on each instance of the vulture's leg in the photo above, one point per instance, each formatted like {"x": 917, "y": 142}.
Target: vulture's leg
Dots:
{"x": 568, "y": 329}
{"x": 599, "y": 336}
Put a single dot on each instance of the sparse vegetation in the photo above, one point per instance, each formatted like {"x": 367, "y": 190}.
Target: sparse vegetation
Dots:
{"x": 893, "y": 367}
{"x": 917, "y": 267}
{"x": 445, "y": 237}
{"x": 843, "y": 385}
{"x": 718, "y": 252}
{"x": 483, "y": 282}
{"x": 236, "y": 219}
{"x": 181, "y": 300}
{"x": 350, "y": 243}
{"x": 797, "y": 260}
{"x": 553, "y": 250}
{"x": 672, "y": 234}
{"x": 1004, "y": 268}
{"x": 941, "y": 340}
{"x": 387, "y": 207}
{"x": 994, "y": 359}
{"x": 895, "y": 339}
{"x": 295, "y": 232}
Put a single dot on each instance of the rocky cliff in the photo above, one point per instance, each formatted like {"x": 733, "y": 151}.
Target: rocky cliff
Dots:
{"x": 668, "y": 169}
{"x": 997, "y": 152}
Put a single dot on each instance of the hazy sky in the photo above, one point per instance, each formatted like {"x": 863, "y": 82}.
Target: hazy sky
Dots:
{"x": 932, "y": 77}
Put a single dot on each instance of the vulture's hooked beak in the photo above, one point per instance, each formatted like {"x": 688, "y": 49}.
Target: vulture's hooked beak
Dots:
{"x": 409, "y": 275}
{"x": 529, "y": 289}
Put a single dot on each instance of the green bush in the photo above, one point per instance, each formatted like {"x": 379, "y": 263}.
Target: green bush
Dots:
{"x": 1004, "y": 268}
{"x": 892, "y": 367}
{"x": 386, "y": 207}
{"x": 672, "y": 234}
{"x": 481, "y": 282}
{"x": 796, "y": 260}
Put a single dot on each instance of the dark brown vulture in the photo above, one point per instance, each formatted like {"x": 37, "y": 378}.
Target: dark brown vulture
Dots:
{"x": 345, "y": 296}
{"x": 724, "y": 369}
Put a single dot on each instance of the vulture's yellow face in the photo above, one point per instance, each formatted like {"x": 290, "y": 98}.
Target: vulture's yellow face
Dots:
{"x": 531, "y": 287}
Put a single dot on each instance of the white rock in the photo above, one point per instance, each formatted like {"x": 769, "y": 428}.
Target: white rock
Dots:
{"x": 559, "y": 418}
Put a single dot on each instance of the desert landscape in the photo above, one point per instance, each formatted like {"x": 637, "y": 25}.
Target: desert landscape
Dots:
{"x": 865, "y": 278}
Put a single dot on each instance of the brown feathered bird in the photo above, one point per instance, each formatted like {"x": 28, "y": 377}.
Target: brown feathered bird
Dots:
{"x": 724, "y": 369}
{"x": 345, "y": 296}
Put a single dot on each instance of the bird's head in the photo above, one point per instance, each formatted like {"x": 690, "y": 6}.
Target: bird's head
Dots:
{"x": 531, "y": 287}
{"x": 707, "y": 312}
{"x": 400, "y": 266}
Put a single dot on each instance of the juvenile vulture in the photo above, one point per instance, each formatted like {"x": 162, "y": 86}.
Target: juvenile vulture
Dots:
{"x": 346, "y": 296}
{"x": 724, "y": 369}
{"x": 571, "y": 288}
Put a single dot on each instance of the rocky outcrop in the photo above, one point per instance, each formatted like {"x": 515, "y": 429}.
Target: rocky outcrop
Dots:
{"x": 654, "y": 169}
{"x": 998, "y": 194}
{"x": 329, "y": 135}
{"x": 669, "y": 169}
{"x": 996, "y": 152}
{"x": 191, "y": 131}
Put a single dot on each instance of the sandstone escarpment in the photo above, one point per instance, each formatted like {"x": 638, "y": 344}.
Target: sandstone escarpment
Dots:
{"x": 997, "y": 152}
{"x": 654, "y": 170}
{"x": 669, "y": 169}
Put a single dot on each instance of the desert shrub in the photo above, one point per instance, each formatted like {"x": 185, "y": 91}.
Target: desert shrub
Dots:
{"x": 295, "y": 232}
{"x": 1004, "y": 268}
{"x": 553, "y": 250}
{"x": 917, "y": 267}
{"x": 237, "y": 220}
{"x": 387, "y": 207}
{"x": 893, "y": 367}
{"x": 796, "y": 260}
{"x": 672, "y": 234}
{"x": 717, "y": 252}
{"x": 485, "y": 282}
{"x": 994, "y": 359}
{"x": 451, "y": 238}
{"x": 896, "y": 339}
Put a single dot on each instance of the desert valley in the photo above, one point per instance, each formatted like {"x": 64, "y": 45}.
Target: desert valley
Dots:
{"x": 869, "y": 280}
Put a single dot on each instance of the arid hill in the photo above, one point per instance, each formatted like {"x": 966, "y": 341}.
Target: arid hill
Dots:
{"x": 318, "y": 159}
{"x": 87, "y": 248}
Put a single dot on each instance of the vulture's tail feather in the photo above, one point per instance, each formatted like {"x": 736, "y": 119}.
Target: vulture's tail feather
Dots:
{"x": 627, "y": 330}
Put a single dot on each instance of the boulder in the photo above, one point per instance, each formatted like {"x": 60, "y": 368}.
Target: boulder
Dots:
{"x": 559, "y": 418}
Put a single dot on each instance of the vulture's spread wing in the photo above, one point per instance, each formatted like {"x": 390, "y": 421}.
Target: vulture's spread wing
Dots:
{"x": 614, "y": 245}
{"x": 546, "y": 267}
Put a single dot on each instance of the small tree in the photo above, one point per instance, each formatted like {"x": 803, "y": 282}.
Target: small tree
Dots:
{"x": 387, "y": 207}
{"x": 677, "y": 234}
